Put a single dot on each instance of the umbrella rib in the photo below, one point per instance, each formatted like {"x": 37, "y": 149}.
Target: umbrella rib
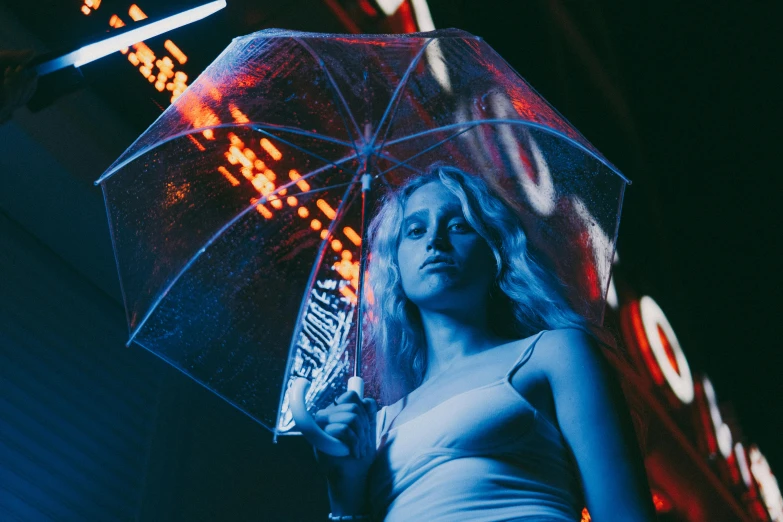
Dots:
{"x": 337, "y": 92}
{"x": 544, "y": 128}
{"x": 397, "y": 95}
{"x": 310, "y": 283}
{"x": 284, "y": 128}
{"x": 217, "y": 235}
{"x": 302, "y": 149}
{"x": 404, "y": 163}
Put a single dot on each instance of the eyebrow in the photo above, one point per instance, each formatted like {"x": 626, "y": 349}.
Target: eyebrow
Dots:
{"x": 422, "y": 213}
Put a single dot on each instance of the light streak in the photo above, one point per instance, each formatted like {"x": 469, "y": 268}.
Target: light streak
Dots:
{"x": 96, "y": 50}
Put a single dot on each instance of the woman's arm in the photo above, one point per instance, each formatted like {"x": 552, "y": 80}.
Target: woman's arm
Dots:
{"x": 596, "y": 423}
{"x": 351, "y": 420}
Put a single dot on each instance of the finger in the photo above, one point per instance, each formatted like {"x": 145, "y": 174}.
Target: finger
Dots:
{"x": 349, "y": 397}
{"x": 344, "y": 434}
{"x": 372, "y": 413}
{"x": 357, "y": 424}
{"x": 371, "y": 406}
{"x": 324, "y": 418}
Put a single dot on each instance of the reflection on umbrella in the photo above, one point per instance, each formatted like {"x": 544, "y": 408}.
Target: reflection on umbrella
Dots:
{"x": 236, "y": 217}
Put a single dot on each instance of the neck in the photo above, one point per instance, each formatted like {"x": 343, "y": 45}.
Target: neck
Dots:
{"x": 453, "y": 336}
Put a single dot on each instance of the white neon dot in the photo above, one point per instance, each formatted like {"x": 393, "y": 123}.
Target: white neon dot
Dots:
{"x": 722, "y": 431}
{"x": 742, "y": 463}
{"x": 681, "y": 383}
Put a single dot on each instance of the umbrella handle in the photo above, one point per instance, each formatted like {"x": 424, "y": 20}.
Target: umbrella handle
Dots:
{"x": 307, "y": 425}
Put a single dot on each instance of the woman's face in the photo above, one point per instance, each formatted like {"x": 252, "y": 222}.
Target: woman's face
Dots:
{"x": 444, "y": 263}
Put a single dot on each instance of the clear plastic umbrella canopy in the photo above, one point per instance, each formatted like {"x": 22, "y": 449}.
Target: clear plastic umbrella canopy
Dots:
{"x": 236, "y": 217}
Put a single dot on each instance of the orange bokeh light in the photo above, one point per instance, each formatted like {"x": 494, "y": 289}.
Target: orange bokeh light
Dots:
{"x": 326, "y": 209}
{"x": 264, "y": 211}
{"x": 352, "y": 235}
{"x": 271, "y": 149}
{"x": 230, "y": 177}
{"x": 175, "y": 51}
{"x": 349, "y": 294}
{"x": 302, "y": 184}
{"x": 136, "y": 13}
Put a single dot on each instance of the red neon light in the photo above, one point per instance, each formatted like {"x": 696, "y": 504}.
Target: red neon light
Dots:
{"x": 406, "y": 15}
{"x": 644, "y": 346}
{"x": 368, "y": 9}
{"x": 710, "y": 441}
{"x": 668, "y": 349}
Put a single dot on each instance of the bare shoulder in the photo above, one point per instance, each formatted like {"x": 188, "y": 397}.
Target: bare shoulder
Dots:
{"x": 570, "y": 353}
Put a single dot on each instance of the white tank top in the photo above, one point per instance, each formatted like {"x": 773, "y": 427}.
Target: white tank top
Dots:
{"x": 483, "y": 455}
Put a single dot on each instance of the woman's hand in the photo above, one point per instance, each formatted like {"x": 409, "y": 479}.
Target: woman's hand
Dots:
{"x": 352, "y": 421}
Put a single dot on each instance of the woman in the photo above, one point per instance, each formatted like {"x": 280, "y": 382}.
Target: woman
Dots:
{"x": 505, "y": 407}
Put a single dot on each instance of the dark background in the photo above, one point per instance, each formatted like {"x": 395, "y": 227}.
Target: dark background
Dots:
{"x": 684, "y": 99}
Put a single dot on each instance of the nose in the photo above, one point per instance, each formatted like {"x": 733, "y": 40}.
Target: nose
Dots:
{"x": 436, "y": 242}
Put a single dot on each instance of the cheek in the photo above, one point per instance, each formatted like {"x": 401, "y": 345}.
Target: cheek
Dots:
{"x": 406, "y": 263}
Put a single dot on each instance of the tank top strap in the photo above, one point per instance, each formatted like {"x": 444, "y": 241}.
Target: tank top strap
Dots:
{"x": 523, "y": 358}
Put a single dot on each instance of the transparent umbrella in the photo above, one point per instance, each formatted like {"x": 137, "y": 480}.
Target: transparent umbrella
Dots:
{"x": 236, "y": 218}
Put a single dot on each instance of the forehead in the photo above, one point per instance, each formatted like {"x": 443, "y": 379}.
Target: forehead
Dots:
{"x": 432, "y": 197}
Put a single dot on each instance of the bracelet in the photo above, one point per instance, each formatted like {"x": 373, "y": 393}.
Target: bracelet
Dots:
{"x": 348, "y": 517}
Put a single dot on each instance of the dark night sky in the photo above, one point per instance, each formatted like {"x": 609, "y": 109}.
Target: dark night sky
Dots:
{"x": 684, "y": 100}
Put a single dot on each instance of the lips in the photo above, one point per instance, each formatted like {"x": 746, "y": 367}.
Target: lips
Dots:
{"x": 437, "y": 259}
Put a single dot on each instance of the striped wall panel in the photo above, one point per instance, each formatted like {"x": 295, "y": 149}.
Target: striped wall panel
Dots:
{"x": 78, "y": 409}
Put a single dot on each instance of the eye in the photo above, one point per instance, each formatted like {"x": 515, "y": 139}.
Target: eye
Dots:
{"x": 460, "y": 226}
{"x": 414, "y": 231}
